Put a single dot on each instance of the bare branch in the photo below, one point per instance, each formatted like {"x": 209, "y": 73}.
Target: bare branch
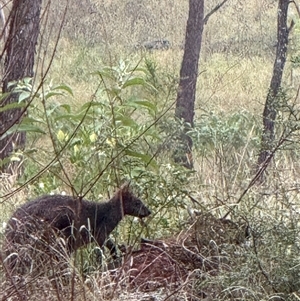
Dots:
{"x": 297, "y": 7}
{"x": 213, "y": 11}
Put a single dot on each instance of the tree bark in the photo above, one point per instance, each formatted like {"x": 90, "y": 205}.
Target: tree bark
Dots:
{"x": 19, "y": 61}
{"x": 270, "y": 109}
{"x": 186, "y": 94}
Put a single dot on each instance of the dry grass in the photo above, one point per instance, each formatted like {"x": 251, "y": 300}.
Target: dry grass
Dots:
{"x": 236, "y": 59}
{"x": 170, "y": 268}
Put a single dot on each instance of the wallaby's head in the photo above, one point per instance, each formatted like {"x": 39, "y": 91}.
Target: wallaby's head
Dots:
{"x": 132, "y": 205}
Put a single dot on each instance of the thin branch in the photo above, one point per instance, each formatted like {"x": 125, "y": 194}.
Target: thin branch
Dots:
{"x": 261, "y": 170}
{"x": 205, "y": 20}
{"x": 297, "y": 7}
{"x": 95, "y": 179}
{"x": 263, "y": 271}
{"x": 283, "y": 139}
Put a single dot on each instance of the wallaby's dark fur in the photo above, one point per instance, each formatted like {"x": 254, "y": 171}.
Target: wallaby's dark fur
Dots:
{"x": 77, "y": 222}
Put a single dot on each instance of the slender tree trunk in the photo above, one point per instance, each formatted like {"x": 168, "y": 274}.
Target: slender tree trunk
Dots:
{"x": 4, "y": 31}
{"x": 185, "y": 102}
{"x": 270, "y": 110}
{"x": 18, "y": 64}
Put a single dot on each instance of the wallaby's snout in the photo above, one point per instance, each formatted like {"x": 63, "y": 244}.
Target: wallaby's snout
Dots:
{"x": 135, "y": 207}
{"x": 144, "y": 211}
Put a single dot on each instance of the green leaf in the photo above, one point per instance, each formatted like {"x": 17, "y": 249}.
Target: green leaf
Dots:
{"x": 58, "y": 90}
{"x": 52, "y": 93}
{"x": 22, "y": 128}
{"x": 64, "y": 88}
{"x": 12, "y": 106}
{"x": 70, "y": 117}
{"x": 31, "y": 120}
{"x": 144, "y": 157}
{"x": 126, "y": 121}
{"x": 3, "y": 96}
{"x": 141, "y": 69}
{"x": 24, "y": 96}
{"x": 142, "y": 103}
{"x": 4, "y": 161}
{"x": 114, "y": 91}
{"x": 90, "y": 104}
{"x": 134, "y": 82}
{"x": 105, "y": 72}
{"x": 66, "y": 107}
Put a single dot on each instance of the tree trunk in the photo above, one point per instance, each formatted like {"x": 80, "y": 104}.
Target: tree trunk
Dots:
{"x": 18, "y": 64}
{"x": 270, "y": 110}
{"x": 185, "y": 102}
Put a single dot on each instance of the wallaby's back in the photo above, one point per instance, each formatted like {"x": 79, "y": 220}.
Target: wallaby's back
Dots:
{"x": 59, "y": 211}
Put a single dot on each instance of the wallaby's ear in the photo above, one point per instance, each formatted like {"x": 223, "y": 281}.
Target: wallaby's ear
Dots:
{"x": 126, "y": 186}
{"x": 124, "y": 189}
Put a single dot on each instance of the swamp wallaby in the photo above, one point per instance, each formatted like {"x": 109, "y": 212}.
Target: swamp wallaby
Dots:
{"x": 76, "y": 222}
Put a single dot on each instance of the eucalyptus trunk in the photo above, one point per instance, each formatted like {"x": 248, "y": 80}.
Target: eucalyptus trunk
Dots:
{"x": 186, "y": 94}
{"x": 24, "y": 23}
{"x": 271, "y": 105}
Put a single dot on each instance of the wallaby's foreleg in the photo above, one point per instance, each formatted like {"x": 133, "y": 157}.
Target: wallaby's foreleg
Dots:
{"x": 110, "y": 245}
